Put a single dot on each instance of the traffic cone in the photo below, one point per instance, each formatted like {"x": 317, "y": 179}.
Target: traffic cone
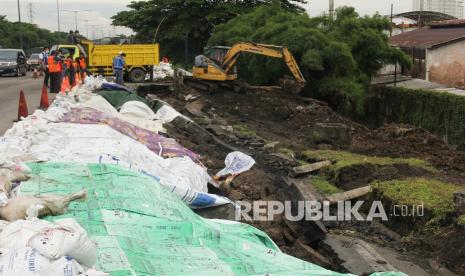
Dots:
{"x": 22, "y": 108}
{"x": 78, "y": 79}
{"x": 44, "y": 103}
{"x": 65, "y": 85}
{"x": 34, "y": 74}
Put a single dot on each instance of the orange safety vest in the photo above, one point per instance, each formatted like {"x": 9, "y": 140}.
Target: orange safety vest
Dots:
{"x": 53, "y": 66}
{"x": 82, "y": 62}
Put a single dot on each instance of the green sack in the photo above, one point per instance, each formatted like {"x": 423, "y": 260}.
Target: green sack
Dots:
{"x": 143, "y": 229}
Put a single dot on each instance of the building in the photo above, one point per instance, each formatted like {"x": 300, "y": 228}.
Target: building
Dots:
{"x": 437, "y": 52}
{"x": 450, "y": 7}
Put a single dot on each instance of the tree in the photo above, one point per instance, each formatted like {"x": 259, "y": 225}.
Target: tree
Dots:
{"x": 32, "y": 35}
{"x": 337, "y": 57}
{"x": 179, "y": 19}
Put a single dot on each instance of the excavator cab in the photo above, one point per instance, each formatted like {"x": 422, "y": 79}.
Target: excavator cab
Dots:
{"x": 216, "y": 53}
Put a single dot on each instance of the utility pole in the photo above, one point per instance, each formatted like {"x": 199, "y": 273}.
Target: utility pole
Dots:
{"x": 30, "y": 12}
{"x": 390, "y": 34}
{"x": 58, "y": 17}
{"x": 331, "y": 9}
{"x": 19, "y": 26}
{"x": 392, "y": 11}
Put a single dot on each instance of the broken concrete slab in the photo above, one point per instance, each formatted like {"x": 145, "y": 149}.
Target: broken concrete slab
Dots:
{"x": 308, "y": 168}
{"x": 304, "y": 190}
{"x": 356, "y": 255}
{"x": 195, "y": 108}
{"x": 348, "y": 195}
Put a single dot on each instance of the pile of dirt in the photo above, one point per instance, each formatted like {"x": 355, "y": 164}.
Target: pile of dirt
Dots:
{"x": 256, "y": 121}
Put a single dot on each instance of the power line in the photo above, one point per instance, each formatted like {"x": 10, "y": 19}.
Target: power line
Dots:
{"x": 75, "y": 16}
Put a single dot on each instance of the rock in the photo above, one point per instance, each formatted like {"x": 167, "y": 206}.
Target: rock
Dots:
{"x": 195, "y": 108}
{"x": 308, "y": 168}
{"x": 284, "y": 157}
{"x": 270, "y": 147}
{"x": 459, "y": 203}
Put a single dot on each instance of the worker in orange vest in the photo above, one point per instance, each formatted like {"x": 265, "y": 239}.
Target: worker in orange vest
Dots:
{"x": 77, "y": 69}
{"x": 70, "y": 72}
{"x": 83, "y": 67}
{"x": 55, "y": 69}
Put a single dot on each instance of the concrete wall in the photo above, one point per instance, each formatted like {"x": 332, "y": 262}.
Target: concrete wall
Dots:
{"x": 446, "y": 64}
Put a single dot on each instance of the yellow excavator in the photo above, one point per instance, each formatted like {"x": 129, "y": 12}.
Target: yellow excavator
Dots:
{"x": 217, "y": 67}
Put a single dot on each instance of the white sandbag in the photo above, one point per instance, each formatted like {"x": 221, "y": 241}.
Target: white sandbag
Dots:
{"x": 185, "y": 173}
{"x": 137, "y": 108}
{"x": 167, "y": 114}
{"x": 236, "y": 162}
{"x": 92, "y": 83}
{"x": 27, "y": 261}
{"x": 97, "y": 102}
{"x": 102, "y": 144}
{"x": 65, "y": 237}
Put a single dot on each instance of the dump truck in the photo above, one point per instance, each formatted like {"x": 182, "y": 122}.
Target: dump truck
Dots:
{"x": 217, "y": 68}
{"x": 140, "y": 58}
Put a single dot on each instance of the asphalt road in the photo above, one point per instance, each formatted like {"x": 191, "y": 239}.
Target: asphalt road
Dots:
{"x": 9, "y": 97}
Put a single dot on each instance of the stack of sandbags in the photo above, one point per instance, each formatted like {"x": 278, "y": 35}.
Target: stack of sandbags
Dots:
{"x": 38, "y": 247}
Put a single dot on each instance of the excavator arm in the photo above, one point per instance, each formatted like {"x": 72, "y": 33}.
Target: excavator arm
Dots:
{"x": 233, "y": 54}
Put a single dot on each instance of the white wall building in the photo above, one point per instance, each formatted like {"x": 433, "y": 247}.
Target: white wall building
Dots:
{"x": 450, "y": 7}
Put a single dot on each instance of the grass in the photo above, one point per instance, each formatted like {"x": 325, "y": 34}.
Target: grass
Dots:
{"x": 244, "y": 131}
{"x": 287, "y": 151}
{"x": 461, "y": 220}
{"x": 436, "y": 196}
{"x": 322, "y": 185}
{"x": 345, "y": 159}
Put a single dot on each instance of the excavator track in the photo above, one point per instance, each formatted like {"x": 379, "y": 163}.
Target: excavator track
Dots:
{"x": 214, "y": 86}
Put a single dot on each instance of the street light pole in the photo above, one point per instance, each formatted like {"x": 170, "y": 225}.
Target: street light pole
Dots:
{"x": 19, "y": 26}
{"x": 58, "y": 18}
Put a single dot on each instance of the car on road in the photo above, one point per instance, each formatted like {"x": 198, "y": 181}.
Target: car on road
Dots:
{"x": 13, "y": 61}
{"x": 33, "y": 62}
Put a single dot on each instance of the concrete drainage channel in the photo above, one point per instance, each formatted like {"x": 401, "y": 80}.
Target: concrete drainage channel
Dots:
{"x": 282, "y": 175}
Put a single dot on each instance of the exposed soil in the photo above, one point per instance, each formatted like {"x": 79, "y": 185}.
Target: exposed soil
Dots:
{"x": 299, "y": 124}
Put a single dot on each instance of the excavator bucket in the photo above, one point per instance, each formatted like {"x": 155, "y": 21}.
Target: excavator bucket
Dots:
{"x": 291, "y": 86}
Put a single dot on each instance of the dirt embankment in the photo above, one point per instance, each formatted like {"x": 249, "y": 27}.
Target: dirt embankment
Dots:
{"x": 282, "y": 131}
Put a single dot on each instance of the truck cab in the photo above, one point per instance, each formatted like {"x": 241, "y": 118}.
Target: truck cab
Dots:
{"x": 68, "y": 48}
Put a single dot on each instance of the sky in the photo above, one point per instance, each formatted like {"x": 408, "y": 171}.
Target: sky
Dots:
{"x": 100, "y": 12}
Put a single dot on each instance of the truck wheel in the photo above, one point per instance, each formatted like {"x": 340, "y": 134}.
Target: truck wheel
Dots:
{"x": 137, "y": 75}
